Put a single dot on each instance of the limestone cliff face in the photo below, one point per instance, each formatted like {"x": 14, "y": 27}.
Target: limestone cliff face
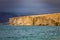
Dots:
{"x": 38, "y": 20}
{"x": 25, "y": 20}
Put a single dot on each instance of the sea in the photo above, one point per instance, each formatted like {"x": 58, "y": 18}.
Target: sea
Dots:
{"x": 8, "y": 32}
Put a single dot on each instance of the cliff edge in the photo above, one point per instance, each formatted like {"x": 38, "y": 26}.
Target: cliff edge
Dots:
{"x": 36, "y": 20}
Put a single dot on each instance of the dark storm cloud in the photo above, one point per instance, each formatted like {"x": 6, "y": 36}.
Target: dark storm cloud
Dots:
{"x": 10, "y": 8}
{"x": 26, "y": 6}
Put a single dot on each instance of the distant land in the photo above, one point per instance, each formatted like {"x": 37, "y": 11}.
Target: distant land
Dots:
{"x": 50, "y": 19}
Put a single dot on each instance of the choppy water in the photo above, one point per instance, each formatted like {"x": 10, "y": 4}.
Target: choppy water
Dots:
{"x": 29, "y": 32}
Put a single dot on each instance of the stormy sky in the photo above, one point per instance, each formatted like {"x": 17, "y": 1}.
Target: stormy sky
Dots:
{"x": 10, "y": 8}
{"x": 27, "y": 6}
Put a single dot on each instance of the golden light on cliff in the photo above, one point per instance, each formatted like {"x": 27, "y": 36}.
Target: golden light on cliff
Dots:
{"x": 36, "y": 20}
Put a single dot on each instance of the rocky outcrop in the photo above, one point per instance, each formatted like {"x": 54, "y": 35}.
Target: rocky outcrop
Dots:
{"x": 36, "y": 20}
{"x": 25, "y": 20}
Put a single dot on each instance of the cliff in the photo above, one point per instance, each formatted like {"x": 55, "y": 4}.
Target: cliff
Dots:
{"x": 36, "y": 20}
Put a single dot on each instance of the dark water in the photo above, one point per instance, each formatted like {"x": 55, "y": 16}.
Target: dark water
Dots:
{"x": 8, "y": 32}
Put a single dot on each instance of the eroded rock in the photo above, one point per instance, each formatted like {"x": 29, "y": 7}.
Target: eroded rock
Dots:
{"x": 36, "y": 20}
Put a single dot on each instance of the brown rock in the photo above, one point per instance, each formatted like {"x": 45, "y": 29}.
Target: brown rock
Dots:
{"x": 39, "y": 20}
{"x": 25, "y": 20}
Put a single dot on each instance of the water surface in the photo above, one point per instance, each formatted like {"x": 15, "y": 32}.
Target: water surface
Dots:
{"x": 8, "y": 32}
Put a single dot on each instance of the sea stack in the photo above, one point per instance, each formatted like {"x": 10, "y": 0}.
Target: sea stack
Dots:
{"x": 52, "y": 19}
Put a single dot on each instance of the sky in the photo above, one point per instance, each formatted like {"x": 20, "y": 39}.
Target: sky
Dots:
{"x": 27, "y": 6}
{"x": 10, "y": 8}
